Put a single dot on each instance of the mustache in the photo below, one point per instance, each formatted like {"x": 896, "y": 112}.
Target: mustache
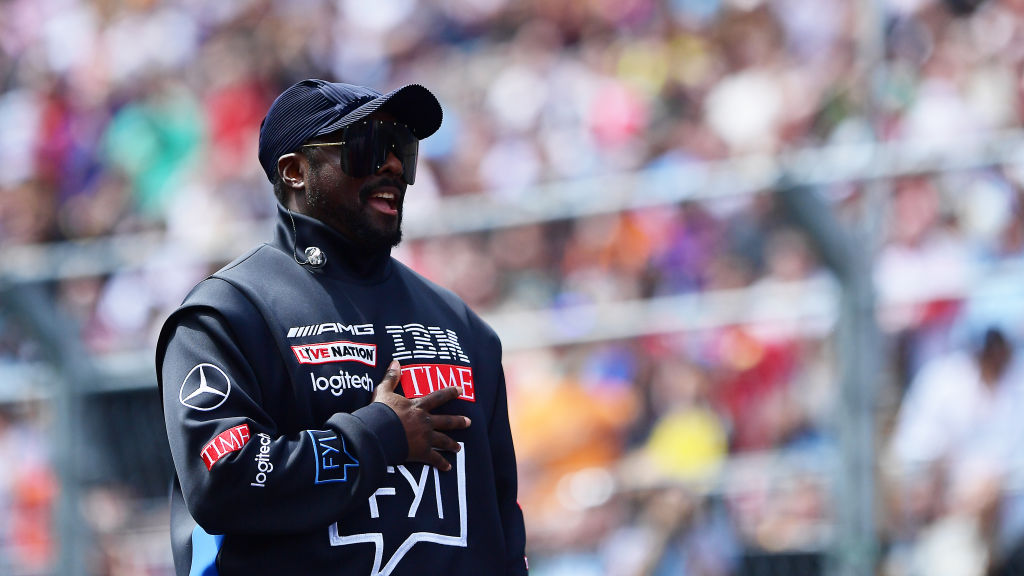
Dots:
{"x": 370, "y": 187}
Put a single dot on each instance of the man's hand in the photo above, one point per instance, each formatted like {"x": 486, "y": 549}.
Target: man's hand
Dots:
{"x": 422, "y": 427}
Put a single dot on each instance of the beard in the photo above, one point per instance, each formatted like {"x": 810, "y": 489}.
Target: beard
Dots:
{"x": 374, "y": 236}
{"x": 349, "y": 212}
{"x": 363, "y": 225}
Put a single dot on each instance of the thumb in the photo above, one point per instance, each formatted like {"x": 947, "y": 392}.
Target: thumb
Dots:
{"x": 391, "y": 378}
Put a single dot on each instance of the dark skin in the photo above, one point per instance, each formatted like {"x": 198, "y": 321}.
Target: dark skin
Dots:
{"x": 423, "y": 430}
{"x": 318, "y": 187}
{"x": 367, "y": 211}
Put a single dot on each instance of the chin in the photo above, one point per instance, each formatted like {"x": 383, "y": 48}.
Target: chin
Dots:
{"x": 380, "y": 239}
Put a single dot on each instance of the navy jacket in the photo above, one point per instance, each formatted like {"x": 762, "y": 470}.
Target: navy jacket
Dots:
{"x": 284, "y": 466}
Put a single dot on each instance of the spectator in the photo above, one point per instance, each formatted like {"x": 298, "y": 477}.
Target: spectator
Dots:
{"x": 957, "y": 436}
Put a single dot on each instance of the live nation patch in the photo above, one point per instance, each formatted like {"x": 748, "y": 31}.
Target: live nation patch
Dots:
{"x": 342, "y": 351}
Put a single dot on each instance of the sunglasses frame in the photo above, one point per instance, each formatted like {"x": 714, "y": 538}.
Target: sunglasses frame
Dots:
{"x": 377, "y": 153}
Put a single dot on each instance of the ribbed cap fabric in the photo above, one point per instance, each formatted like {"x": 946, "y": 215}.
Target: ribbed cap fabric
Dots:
{"x": 315, "y": 107}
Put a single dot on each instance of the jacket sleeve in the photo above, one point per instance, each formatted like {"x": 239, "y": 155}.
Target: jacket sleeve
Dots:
{"x": 505, "y": 471}
{"x": 218, "y": 368}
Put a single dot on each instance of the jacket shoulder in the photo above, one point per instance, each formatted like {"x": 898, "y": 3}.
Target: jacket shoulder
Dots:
{"x": 257, "y": 267}
{"x": 222, "y": 295}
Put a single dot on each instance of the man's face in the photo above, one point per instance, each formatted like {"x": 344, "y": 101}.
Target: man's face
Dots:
{"x": 368, "y": 210}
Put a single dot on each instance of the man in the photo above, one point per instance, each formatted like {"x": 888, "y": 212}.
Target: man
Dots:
{"x": 957, "y": 437}
{"x": 334, "y": 412}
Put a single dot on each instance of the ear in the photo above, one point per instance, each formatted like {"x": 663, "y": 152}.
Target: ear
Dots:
{"x": 292, "y": 169}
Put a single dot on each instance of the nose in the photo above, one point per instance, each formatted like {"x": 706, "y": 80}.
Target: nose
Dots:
{"x": 391, "y": 165}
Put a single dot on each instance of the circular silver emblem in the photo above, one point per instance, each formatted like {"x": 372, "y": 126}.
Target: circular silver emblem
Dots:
{"x": 205, "y": 387}
{"x": 315, "y": 257}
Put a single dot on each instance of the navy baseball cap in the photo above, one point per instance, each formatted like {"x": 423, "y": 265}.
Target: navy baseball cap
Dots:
{"x": 314, "y": 107}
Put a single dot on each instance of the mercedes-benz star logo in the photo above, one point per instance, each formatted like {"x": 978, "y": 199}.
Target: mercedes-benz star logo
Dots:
{"x": 205, "y": 388}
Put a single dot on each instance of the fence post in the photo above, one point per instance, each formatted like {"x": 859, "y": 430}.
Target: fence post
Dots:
{"x": 35, "y": 309}
{"x": 856, "y": 543}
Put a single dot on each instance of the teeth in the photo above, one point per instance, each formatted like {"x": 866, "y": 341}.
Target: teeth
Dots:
{"x": 385, "y": 195}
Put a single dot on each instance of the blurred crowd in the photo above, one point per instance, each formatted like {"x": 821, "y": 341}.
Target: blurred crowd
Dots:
{"x": 685, "y": 453}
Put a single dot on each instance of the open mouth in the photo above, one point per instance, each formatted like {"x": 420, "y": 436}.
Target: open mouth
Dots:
{"x": 385, "y": 201}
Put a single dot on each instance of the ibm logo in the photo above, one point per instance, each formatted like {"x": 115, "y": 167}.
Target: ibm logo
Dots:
{"x": 419, "y": 342}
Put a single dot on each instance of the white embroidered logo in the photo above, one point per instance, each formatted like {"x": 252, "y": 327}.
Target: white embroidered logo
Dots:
{"x": 419, "y": 488}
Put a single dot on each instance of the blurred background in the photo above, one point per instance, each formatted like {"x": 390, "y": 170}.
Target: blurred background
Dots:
{"x": 757, "y": 264}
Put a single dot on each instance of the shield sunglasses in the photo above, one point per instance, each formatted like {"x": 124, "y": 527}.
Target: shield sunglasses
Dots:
{"x": 365, "y": 146}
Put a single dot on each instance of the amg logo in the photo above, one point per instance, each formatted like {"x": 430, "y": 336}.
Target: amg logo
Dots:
{"x": 336, "y": 352}
{"x": 336, "y": 327}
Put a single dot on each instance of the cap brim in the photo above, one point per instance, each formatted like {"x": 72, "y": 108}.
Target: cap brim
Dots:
{"x": 413, "y": 105}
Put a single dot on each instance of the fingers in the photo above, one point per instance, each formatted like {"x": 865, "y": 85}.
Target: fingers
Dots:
{"x": 441, "y": 441}
{"x": 431, "y": 447}
{"x": 448, "y": 422}
{"x": 391, "y": 378}
{"x": 438, "y": 461}
{"x": 439, "y": 397}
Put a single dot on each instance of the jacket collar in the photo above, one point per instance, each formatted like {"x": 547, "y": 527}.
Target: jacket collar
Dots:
{"x": 345, "y": 260}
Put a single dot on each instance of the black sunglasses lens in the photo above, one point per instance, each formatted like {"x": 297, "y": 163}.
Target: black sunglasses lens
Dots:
{"x": 367, "y": 145}
{"x": 358, "y": 153}
{"x": 404, "y": 144}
